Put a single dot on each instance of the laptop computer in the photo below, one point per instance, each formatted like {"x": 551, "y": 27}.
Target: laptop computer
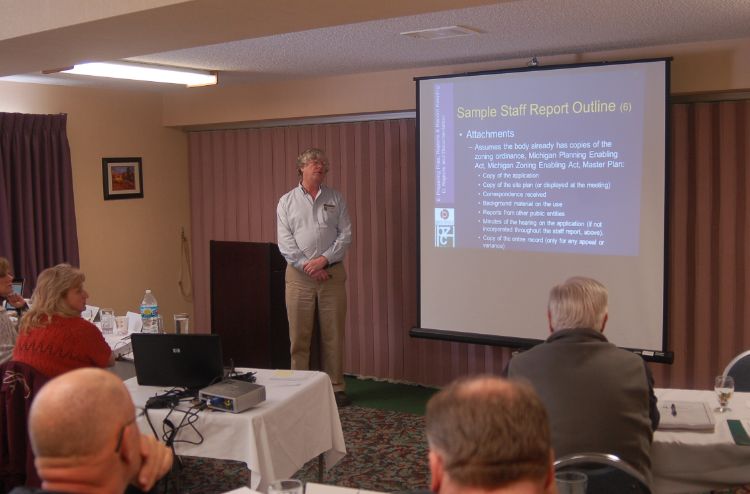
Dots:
{"x": 177, "y": 360}
{"x": 17, "y": 288}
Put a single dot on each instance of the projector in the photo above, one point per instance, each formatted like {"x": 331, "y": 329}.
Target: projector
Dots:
{"x": 231, "y": 395}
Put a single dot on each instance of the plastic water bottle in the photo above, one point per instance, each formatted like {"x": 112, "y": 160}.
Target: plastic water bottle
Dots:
{"x": 150, "y": 313}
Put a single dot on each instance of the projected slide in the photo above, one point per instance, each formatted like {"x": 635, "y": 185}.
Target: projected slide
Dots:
{"x": 539, "y": 169}
{"x": 528, "y": 177}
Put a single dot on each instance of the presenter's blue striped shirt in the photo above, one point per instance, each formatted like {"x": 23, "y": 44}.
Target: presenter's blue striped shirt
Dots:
{"x": 308, "y": 228}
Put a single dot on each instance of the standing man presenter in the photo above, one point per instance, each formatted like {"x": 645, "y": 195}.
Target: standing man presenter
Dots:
{"x": 314, "y": 232}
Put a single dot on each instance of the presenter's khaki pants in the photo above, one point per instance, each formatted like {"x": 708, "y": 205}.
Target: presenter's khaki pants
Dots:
{"x": 302, "y": 292}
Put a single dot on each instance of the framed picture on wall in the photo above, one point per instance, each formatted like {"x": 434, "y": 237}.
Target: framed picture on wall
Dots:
{"x": 122, "y": 178}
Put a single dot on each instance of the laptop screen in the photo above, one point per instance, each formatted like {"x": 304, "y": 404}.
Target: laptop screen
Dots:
{"x": 177, "y": 360}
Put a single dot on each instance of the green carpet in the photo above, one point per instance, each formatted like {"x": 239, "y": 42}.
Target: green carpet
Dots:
{"x": 381, "y": 395}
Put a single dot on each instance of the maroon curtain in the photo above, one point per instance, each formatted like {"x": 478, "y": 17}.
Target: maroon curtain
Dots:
{"x": 237, "y": 177}
{"x": 37, "y": 214}
{"x": 709, "y": 241}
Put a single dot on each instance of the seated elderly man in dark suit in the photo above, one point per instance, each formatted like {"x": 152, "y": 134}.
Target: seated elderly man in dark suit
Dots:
{"x": 600, "y": 398}
{"x": 488, "y": 435}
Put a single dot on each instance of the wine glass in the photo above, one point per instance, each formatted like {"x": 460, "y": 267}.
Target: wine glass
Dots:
{"x": 724, "y": 387}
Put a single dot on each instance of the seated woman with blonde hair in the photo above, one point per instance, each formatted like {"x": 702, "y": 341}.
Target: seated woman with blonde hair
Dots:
{"x": 53, "y": 337}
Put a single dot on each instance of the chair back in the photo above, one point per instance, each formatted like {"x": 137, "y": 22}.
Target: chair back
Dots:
{"x": 739, "y": 369}
{"x": 20, "y": 383}
{"x": 606, "y": 473}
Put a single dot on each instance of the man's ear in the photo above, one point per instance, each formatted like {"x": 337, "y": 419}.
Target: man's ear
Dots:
{"x": 550, "y": 487}
{"x": 130, "y": 447}
{"x": 436, "y": 471}
{"x": 549, "y": 320}
{"x": 604, "y": 322}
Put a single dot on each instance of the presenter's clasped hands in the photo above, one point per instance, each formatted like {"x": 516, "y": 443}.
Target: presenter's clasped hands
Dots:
{"x": 316, "y": 268}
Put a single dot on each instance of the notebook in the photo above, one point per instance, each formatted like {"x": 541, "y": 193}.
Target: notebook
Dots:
{"x": 177, "y": 360}
{"x": 685, "y": 415}
{"x": 739, "y": 434}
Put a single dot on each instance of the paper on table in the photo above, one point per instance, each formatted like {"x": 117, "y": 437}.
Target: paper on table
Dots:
{"x": 242, "y": 490}
{"x": 288, "y": 375}
{"x": 134, "y": 322}
{"x": 90, "y": 313}
{"x": 313, "y": 488}
{"x": 689, "y": 415}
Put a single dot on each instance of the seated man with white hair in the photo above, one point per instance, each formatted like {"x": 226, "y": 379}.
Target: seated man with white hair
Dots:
{"x": 600, "y": 398}
{"x": 83, "y": 433}
{"x": 489, "y": 436}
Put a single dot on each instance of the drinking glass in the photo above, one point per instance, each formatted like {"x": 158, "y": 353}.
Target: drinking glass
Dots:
{"x": 108, "y": 321}
{"x": 571, "y": 482}
{"x": 724, "y": 387}
{"x": 287, "y": 486}
{"x": 181, "y": 323}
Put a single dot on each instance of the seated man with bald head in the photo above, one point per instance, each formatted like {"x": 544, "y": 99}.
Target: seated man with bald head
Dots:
{"x": 489, "y": 435}
{"x": 83, "y": 432}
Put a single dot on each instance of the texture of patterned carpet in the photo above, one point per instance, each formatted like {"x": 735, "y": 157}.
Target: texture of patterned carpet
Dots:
{"x": 386, "y": 451}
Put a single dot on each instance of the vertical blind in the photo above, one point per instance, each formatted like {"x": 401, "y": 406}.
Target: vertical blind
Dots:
{"x": 237, "y": 177}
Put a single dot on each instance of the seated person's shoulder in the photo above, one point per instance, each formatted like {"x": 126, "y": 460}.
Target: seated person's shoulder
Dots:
{"x": 627, "y": 354}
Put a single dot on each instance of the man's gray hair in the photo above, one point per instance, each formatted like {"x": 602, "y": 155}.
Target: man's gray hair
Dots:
{"x": 309, "y": 155}
{"x": 580, "y": 302}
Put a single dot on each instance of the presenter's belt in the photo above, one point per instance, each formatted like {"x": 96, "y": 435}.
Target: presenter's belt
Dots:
{"x": 327, "y": 266}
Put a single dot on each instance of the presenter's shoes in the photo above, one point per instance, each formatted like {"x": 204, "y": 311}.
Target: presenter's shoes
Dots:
{"x": 341, "y": 399}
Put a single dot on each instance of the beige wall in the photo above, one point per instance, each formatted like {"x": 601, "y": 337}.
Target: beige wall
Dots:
{"x": 129, "y": 245}
{"x": 697, "y": 67}
{"x": 126, "y": 246}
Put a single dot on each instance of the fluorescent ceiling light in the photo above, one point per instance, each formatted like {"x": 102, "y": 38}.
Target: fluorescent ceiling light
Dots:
{"x": 144, "y": 72}
{"x": 442, "y": 32}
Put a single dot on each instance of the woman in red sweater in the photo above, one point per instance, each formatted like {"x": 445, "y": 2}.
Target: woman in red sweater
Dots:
{"x": 53, "y": 338}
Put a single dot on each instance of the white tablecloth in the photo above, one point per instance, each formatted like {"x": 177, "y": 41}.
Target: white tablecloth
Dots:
{"x": 685, "y": 461}
{"x": 298, "y": 421}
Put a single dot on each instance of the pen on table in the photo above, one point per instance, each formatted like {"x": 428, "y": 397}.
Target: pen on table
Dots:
{"x": 674, "y": 410}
